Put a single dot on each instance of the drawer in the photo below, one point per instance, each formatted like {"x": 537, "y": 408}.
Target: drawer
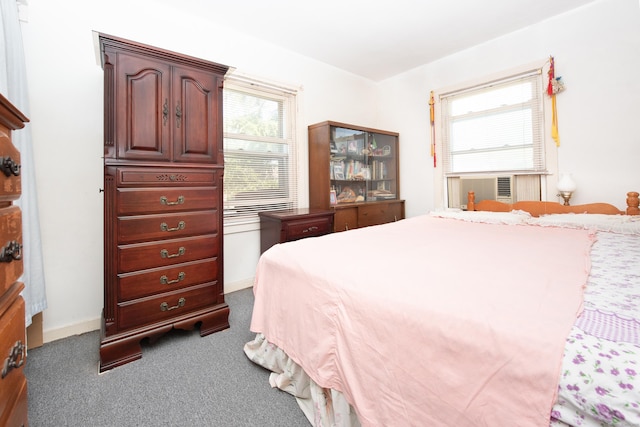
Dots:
{"x": 159, "y": 280}
{"x": 10, "y": 175}
{"x": 11, "y": 264}
{"x": 18, "y": 410}
{"x": 143, "y": 256}
{"x": 12, "y": 341}
{"x": 166, "y": 306}
{"x": 165, "y": 177}
{"x": 379, "y": 213}
{"x": 300, "y": 228}
{"x": 141, "y": 228}
{"x": 345, "y": 219}
{"x": 135, "y": 201}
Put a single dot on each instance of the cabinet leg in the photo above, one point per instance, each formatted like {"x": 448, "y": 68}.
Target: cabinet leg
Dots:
{"x": 118, "y": 353}
{"x": 215, "y": 321}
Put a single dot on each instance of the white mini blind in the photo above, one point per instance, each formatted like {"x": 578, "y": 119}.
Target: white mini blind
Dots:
{"x": 496, "y": 127}
{"x": 260, "y": 167}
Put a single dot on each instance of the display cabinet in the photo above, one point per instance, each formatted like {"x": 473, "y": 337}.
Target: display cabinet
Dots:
{"x": 354, "y": 171}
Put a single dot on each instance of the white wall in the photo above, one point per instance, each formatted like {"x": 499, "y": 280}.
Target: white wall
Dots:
{"x": 597, "y": 51}
{"x": 65, "y": 83}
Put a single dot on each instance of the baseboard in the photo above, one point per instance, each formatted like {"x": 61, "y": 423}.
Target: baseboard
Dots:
{"x": 94, "y": 324}
{"x": 238, "y": 286}
{"x": 68, "y": 331}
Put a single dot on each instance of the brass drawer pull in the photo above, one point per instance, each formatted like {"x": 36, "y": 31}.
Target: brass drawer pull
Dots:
{"x": 9, "y": 167}
{"x": 313, "y": 228}
{"x": 165, "y": 227}
{"x": 165, "y": 201}
{"x": 165, "y": 306}
{"x": 11, "y": 252}
{"x": 165, "y": 280}
{"x": 15, "y": 359}
{"x": 165, "y": 253}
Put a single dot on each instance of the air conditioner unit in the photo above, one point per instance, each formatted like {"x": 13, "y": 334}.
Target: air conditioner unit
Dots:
{"x": 498, "y": 188}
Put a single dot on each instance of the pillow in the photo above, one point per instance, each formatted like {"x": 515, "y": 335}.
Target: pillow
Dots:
{"x": 510, "y": 218}
{"x": 624, "y": 224}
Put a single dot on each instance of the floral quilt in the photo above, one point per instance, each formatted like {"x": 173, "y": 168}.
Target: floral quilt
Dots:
{"x": 600, "y": 378}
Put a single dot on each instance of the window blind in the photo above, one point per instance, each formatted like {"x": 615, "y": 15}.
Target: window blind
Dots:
{"x": 259, "y": 149}
{"x": 496, "y": 127}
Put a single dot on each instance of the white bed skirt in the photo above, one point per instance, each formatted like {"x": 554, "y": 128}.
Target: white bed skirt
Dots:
{"x": 322, "y": 407}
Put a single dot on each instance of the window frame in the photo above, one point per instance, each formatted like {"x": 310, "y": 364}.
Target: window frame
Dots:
{"x": 289, "y": 95}
{"x": 550, "y": 153}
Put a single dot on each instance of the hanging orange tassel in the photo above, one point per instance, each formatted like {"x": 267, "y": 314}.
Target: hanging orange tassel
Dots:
{"x": 433, "y": 128}
{"x": 551, "y": 92}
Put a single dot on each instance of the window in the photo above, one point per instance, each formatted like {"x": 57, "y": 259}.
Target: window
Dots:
{"x": 260, "y": 170}
{"x": 495, "y": 128}
{"x": 493, "y": 133}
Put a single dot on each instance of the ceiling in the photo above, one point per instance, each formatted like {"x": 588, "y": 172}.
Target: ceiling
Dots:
{"x": 377, "y": 39}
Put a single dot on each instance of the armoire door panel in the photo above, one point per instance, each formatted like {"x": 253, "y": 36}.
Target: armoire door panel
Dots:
{"x": 196, "y": 95}
{"x": 143, "y": 129}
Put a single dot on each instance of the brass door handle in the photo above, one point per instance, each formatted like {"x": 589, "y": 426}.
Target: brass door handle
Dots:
{"x": 165, "y": 112}
{"x": 165, "y": 306}
{"x": 178, "y": 115}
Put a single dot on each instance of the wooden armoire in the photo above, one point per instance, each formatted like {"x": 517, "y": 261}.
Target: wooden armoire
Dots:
{"x": 13, "y": 343}
{"x": 163, "y": 167}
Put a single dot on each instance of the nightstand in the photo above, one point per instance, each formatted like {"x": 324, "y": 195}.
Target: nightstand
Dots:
{"x": 293, "y": 224}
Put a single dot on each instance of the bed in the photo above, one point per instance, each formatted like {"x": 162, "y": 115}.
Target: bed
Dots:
{"x": 477, "y": 318}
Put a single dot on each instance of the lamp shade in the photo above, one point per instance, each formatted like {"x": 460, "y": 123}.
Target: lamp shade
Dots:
{"x": 566, "y": 183}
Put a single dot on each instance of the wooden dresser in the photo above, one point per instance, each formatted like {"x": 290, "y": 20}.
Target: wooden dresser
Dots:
{"x": 163, "y": 166}
{"x": 13, "y": 384}
{"x": 293, "y": 224}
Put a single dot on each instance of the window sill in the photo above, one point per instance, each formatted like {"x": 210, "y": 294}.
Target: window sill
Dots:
{"x": 242, "y": 226}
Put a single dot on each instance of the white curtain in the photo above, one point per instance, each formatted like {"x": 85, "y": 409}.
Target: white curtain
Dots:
{"x": 13, "y": 85}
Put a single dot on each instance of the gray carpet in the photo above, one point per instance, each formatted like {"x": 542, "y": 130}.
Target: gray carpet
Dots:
{"x": 182, "y": 380}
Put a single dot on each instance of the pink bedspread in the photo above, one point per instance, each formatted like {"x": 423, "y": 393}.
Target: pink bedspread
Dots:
{"x": 429, "y": 321}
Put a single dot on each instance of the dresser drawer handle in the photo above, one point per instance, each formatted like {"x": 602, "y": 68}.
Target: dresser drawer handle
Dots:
{"x": 15, "y": 359}
{"x": 165, "y": 227}
{"x": 165, "y": 253}
{"x": 165, "y": 280}
{"x": 314, "y": 228}
{"x": 165, "y": 201}
{"x": 9, "y": 167}
{"x": 11, "y": 252}
{"x": 165, "y": 306}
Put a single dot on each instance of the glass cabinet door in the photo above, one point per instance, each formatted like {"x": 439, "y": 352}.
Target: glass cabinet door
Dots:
{"x": 362, "y": 166}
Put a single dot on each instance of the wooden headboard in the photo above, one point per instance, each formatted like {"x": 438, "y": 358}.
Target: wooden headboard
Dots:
{"x": 542, "y": 208}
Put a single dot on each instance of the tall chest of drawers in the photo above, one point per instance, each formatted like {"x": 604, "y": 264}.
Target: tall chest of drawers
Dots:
{"x": 13, "y": 383}
{"x": 163, "y": 172}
